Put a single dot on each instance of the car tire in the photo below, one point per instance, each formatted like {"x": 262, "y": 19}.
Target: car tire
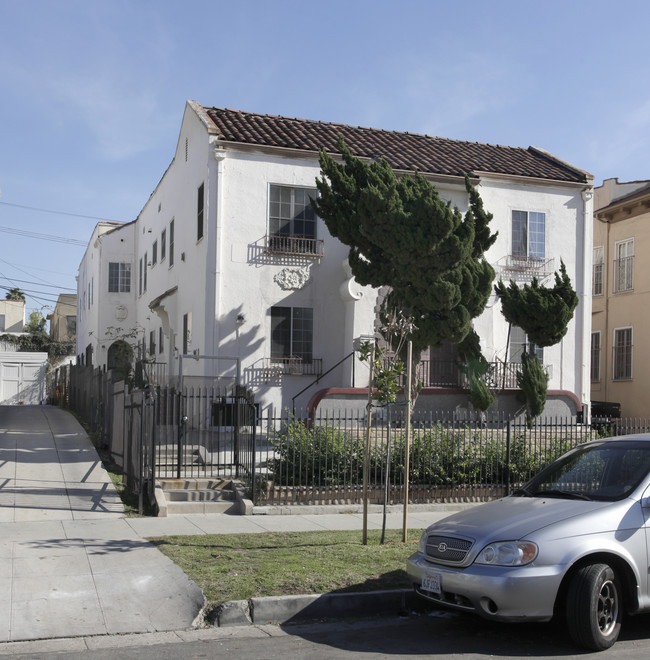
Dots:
{"x": 594, "y": 607}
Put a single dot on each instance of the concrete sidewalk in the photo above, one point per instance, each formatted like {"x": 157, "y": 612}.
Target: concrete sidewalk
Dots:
{"x": 72, "y": 565}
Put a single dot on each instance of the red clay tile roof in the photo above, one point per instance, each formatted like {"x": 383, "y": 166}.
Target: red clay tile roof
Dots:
{"x": 403, "y": 151}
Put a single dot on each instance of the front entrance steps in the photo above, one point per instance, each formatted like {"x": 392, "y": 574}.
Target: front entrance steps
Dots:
{"x": 185, "y": 496}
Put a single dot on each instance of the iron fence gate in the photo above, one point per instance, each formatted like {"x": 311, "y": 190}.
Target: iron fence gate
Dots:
{"x": 204, "y": 432}
{"x": 138, "y": 459}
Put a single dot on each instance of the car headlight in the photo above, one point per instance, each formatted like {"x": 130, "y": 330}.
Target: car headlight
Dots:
{"x": 422, "y": 543}
{"x": 508, "y": 553}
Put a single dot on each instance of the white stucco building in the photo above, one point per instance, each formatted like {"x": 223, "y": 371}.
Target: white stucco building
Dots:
{"x": 227, "y": 262}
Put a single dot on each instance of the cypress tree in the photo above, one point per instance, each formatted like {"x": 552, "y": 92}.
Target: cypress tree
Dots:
{"x": 403, "y": 235}
{"x": 543, "y": 314}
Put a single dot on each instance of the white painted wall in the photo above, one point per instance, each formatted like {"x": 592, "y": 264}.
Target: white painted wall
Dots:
{"x": 227, "y": 272}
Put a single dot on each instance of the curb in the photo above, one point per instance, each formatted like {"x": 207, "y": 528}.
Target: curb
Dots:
{"x": 294, "y": 609}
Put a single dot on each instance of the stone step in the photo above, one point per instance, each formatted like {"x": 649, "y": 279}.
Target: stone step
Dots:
{"x": 193, "y": 495}
{"x": 193, "y": 483}
{"x": 168, "y": 455}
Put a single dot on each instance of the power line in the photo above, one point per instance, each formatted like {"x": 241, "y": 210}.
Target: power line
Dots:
{"x": 44, "y": 237}
{"x": 51, "y": 286}
{"x": 75, "y": 215}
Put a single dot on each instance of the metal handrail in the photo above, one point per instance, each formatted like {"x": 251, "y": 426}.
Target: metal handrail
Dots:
{"x": 304, "y": 389}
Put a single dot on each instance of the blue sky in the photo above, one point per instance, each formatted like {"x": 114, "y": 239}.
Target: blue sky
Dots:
{"x": 92, "y": 93}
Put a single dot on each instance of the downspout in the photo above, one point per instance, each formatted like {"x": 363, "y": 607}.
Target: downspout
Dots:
{"x": 587, "y": 250}
{"x": 219, "y": 154}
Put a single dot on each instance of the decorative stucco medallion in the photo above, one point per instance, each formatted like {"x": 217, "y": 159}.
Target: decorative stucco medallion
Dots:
{"x": 292, "y": 278}
{"x": 121, "y": 312}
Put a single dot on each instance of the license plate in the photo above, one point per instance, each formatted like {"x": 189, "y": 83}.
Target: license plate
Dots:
{"x": 431, "y": 582}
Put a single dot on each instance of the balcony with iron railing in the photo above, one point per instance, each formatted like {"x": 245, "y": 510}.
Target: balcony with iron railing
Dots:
{"x": 294, "y": 366}
{"x": 523, "y": 268}
{"x": 447, "y": 373}
{"x": 294, "y": 245}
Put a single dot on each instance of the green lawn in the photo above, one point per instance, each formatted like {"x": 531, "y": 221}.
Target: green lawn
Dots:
{"x": 241, "y": 566}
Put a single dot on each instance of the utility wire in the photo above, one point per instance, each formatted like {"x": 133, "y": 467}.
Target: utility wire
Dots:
{"x": 51, "y": 286}
{"x": 75, "y": 215}
{"x": 44, "y": 237}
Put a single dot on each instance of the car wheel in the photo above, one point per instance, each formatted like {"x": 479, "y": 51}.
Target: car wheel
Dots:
{"x": 594, "y": 607}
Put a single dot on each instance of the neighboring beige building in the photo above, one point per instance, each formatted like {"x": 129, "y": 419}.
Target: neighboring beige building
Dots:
{"x": 63, "y": 320}
{"x": 12, "y": 316}
{"x": 22, "y": 374}
{"x": 621, "y": 296}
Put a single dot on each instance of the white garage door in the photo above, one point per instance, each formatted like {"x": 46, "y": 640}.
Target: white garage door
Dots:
{"x": 22, "y": 378}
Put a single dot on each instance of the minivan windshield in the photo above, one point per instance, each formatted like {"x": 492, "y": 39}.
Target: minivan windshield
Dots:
{"x": 599, "y": 470}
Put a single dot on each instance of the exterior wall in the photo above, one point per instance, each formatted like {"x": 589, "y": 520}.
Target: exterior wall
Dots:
{"x": 60, "y": 329}
{"x": 228, "y": 282}
{"x": 14, "y": 315}
{"x": 568, "y": 230}
{"x": 103, "y": 317}
{"x": 627, "y": 309}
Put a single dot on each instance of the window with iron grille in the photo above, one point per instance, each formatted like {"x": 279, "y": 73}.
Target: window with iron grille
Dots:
{"x": 595, "y": 357}
{"x": 597, "y": 277}
{"x": 622, "y": 354}
{"x": 292, "y": 333}
{"x": 624, "y": 266}
{"x": 119, "y": 277}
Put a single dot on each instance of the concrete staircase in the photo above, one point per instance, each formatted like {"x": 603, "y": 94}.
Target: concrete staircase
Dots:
{"x": 183, "y": 496}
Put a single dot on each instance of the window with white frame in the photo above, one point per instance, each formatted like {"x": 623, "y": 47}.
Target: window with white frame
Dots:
{"x": 622, "y": 354}
{"x": 154, "y": 253}
{"x": 292, "y": 221}
{"x": 624, "y": 266}
{"x": 597, "y": 276}
{"x": 529, "y": 235}
{"x": 595, "y": 357}
{"x": 292, "y": 333}
{"x": 119, "y": 277}
{"x": 520, "y": 344}
{"x": 163, "y": 244}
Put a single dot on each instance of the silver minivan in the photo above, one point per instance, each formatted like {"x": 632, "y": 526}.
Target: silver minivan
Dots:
{"x": 572, "y": 542}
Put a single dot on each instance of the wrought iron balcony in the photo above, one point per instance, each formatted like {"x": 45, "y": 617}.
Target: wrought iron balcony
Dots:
{"x": 522, "y": 268}
{"x": 294, "y": 245}
{"x": 295, "y": 366}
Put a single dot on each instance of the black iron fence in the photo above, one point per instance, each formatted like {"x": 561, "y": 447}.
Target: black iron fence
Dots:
{"x": 321, "y": 460}
{"x": 199, "y": 432}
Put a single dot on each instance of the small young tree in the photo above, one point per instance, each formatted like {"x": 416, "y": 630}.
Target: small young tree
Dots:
{"x": 401, "y": 234}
